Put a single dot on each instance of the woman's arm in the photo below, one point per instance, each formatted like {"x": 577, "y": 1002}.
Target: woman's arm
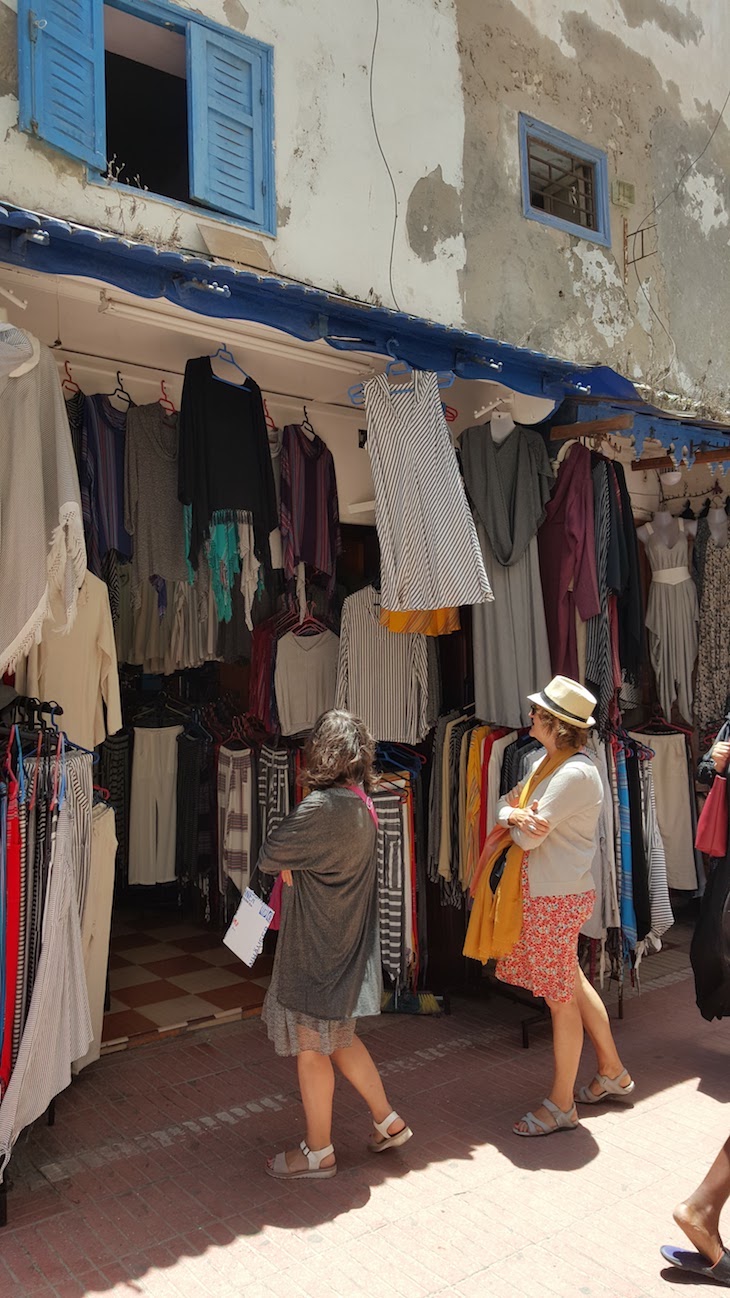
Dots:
{"x": 524, "y": 820}
{"x": 294, "y": 844}
{"x": 716, "y": 759}
{"x": 569, "y": 792}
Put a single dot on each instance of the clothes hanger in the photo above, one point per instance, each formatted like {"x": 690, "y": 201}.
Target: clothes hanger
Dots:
{"x": 397, "y": 369}
{"x": 167, "y": 403}
{"x": 68, "y": 383}
{"x": 269, "y": 421}
{"x": 120, "y": 392}
{"x": 310, "y": 624}
{"x": 306, "y": 426}
{"x": 225, "y": 354}
{"x": 659, "y": 723}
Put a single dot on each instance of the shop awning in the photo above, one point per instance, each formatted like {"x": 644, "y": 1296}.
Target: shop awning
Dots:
{"x": 648, "y": 422}
{"x": 42, "y": 243}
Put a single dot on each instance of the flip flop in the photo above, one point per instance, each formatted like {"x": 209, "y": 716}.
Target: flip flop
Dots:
{"x": 699, "y": 1265}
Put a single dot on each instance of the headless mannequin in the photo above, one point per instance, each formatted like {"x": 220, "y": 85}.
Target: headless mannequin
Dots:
{"x": 501, "y": 425}
{"x": 667, "y": 528}
{"x": 718, "y": 524}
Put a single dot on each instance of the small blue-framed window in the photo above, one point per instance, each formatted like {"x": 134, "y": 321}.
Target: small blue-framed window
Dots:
{"x": 155, "y": 98}
{"x": 564, "y": 182}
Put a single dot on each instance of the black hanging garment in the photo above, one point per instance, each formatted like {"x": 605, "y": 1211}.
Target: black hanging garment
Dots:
{"x": 710, "y": 951}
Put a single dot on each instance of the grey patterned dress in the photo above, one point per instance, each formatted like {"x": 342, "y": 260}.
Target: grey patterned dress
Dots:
{"x": 671, "y": 619}
{"x": 713, "y": 673}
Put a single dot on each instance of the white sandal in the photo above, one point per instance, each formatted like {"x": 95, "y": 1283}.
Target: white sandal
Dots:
{"x": 563, "y": 1120}
{"x": 389, "y": 1142}
{"x": 279, "y": 1168}
{"x": 611, "y": 1089}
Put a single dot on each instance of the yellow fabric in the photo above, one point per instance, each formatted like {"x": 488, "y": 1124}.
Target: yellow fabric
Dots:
{"x": 495, "y": 923}
{"x": 436, "y": 621}
{"x": 473, "y": 804}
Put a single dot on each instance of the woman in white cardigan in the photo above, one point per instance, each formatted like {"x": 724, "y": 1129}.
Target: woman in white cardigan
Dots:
{"x": 557, "y": 834}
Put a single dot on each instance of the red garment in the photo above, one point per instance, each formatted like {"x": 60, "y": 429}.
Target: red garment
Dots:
{"x": 489, "y": 743}
{"x": 261, "y": 678}
{"x": 12, "y": 930}
{"x": 567, "y": 548}
{"x": 544, "y": 959}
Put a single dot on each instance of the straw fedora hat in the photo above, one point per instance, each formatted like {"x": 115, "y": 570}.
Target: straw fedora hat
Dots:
{"x": 567, "y": 700}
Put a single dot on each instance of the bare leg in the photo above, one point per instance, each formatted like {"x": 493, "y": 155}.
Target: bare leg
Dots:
{"x": 357, "y": 1065}
{"x": 596, "y": 1023}
{"x": 699, "y": 1215}
{"x": 567, "y": 1047}
{"x": 317, "y": 1087}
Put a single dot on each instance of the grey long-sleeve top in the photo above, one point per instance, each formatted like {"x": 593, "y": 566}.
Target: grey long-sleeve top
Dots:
{"x": 329, "y": 917}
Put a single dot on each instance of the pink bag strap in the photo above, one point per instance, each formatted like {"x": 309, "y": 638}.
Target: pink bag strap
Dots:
{"x": 362, "y": 795}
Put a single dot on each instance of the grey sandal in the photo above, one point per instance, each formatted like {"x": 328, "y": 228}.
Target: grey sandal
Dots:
{"x": 611, "y": 1089}
{"x": 279, "y": 1168}
{"x": 564, "y": 1121}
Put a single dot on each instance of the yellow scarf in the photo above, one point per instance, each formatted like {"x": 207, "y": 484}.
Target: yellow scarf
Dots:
{"x": 495, "y": 923}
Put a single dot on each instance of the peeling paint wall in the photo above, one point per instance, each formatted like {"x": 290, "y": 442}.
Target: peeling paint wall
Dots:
{"x": 421, "y": 207}
{"x": 625, "y": 76}
{"x": 336, "y": 208}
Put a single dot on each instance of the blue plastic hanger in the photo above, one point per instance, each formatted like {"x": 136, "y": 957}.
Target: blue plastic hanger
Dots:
{"x": 397, "y": 369}
{"x": 225, "y": 354}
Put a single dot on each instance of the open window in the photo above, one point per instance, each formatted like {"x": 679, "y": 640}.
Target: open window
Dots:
{"x": 152, "y": 98}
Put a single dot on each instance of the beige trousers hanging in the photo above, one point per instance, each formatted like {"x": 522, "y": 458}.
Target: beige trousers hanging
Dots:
{"x": 96, "y": 924}
{"x": 153, "y": 810}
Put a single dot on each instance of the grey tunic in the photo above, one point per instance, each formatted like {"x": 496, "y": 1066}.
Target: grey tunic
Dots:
{"x": 153, "y": 515}
{"x": 324, "y": 966}
{"x": 508, "y": 485}
{"x": 672, "y": 614}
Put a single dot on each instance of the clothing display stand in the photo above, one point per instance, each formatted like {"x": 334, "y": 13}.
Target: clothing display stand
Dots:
{"x": 28, "y": 714}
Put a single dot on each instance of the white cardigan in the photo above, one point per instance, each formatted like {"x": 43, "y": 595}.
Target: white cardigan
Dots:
{"x": 570, "y": 800}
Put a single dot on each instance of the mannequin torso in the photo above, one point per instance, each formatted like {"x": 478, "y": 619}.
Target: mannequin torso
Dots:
{"x": 717, "y": 522}
{"x": 667, "y": 528}
{"x": 501, "y": 425}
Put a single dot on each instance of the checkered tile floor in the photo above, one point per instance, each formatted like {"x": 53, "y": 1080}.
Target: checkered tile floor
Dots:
{"x": 166, "y": 976}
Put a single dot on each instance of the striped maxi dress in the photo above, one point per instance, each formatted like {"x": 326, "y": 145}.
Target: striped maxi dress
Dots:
{"x": 429, "y": 551}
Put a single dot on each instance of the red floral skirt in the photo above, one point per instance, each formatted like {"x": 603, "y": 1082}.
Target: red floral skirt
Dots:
{"x": 544, "y": 959}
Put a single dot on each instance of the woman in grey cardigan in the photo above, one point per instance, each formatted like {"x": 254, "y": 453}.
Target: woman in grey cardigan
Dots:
{"x": 327, "y": 967}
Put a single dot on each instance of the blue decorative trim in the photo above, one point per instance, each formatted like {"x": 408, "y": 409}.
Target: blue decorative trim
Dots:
{"x": 596, "y": 157}
{"x": 43, "y": 243}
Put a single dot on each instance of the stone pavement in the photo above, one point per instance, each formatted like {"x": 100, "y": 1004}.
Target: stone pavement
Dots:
{"x": 151, "y": 1183}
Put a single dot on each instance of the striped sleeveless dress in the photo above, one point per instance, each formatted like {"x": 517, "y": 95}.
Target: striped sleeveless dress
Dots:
{"x": 429, "y": 553}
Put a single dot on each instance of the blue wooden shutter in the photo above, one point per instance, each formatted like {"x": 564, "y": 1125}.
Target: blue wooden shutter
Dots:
{"x": 61, "y": 72}
{"x": 227, "y": 124}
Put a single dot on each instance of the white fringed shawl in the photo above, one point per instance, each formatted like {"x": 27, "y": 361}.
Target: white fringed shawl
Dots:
{"x": 42, "y": 548}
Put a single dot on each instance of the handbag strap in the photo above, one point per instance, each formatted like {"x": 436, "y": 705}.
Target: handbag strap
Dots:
{"x": 363, "y": 796}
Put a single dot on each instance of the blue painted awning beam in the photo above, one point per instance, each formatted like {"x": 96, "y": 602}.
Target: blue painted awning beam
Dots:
{"x": 46, "y": 244}
{"x": 650, "y": 423}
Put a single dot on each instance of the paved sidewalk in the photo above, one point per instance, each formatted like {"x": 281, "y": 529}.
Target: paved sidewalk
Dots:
{"x": 151, "y": 1183}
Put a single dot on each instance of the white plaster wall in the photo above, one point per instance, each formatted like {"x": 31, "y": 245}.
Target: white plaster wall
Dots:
{"x": 334, "y": 196}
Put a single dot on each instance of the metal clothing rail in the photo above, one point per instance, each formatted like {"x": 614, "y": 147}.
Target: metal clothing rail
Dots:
{"x": 122, "y": 365}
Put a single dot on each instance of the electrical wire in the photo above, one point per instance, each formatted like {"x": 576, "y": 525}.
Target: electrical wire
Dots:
{"x": 674, "y": 190}
{"x": 382, "y": 154}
